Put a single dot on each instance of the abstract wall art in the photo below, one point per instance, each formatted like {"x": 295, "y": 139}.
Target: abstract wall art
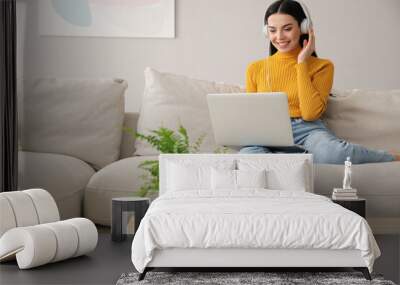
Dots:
{"x": 107, "y": 18}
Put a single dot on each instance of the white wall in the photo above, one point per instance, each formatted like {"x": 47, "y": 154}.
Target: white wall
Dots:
{"x": 216, "y": 39}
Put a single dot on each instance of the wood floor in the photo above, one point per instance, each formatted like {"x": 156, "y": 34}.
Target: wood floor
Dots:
{"x": 110, "y": 260}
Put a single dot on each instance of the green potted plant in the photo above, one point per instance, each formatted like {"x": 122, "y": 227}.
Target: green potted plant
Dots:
{"x": 166, "y": 141}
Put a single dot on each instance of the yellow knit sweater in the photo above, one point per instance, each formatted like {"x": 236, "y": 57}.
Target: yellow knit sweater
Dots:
{"x": 307, "y": 84}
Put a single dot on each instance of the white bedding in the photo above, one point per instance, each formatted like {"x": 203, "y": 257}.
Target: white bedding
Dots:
{"x": 251, "y": 218}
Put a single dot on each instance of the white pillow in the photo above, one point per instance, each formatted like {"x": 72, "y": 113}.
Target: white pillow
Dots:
{"x": 223, "y": 179}
{"x": 293, "y": 178}
{"x": 251, "y": 179}
{"x": 236, "y": 179}
{"x": 170, "y": 100}
{"x": 79, "y": 118}
{"x": 187, "y": 174}
{"x": 183, "y": 178}
{"x": 282, "y": 174}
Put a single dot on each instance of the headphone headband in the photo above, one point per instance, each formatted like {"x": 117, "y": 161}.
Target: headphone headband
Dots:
{"x": 306, "y": 12}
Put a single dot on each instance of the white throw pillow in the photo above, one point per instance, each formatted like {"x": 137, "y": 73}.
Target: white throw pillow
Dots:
{"x": 281, "y": 174}
{"x": 170, "y": 100}
{"x": 79, "y": 118}
{"x": 237, "y": 179}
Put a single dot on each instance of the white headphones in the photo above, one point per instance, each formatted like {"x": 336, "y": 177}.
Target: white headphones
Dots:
{"x": 305, "y": 25}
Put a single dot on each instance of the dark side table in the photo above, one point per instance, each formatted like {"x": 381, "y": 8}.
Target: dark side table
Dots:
{"x": 357, "y": 206}
{"x": 127, "y": 212}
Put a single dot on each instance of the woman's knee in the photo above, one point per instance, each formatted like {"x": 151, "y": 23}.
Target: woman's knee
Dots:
{"x": 327, "y": 149}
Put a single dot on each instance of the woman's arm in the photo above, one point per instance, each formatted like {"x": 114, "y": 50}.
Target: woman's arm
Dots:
{"x": 313, "y": 92}
{"x": 251, "y": 85}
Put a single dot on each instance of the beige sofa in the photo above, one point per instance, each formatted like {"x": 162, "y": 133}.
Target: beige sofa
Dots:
{"x": 68, "y": 130}
{"x": 82, "y": 187}
{"x": 379, "y": 183}
{"x": 69, "y": 179}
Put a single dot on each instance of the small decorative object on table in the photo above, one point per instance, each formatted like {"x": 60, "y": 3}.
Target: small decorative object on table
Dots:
{"x": 347, "y": 192}
{"x": 127, "y": 212}
{"x": 347, "y": 196}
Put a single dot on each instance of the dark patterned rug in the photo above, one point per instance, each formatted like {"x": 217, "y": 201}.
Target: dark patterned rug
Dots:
{"x": 243, "y": 278}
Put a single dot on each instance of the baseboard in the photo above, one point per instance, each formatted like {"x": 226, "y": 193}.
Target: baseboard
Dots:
{"x": 384, "y": 225}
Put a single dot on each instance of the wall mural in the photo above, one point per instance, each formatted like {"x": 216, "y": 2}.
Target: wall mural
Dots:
{"x": 107, "y": 18}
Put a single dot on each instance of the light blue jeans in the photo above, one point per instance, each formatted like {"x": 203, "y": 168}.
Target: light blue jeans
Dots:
{"x": 315, "y": 138}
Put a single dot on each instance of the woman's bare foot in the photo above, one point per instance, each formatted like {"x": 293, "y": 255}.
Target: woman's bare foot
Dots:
{"x": 396, "y": 155}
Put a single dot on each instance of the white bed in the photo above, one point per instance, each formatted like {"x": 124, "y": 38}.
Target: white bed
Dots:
{"x": 209, "y": 215}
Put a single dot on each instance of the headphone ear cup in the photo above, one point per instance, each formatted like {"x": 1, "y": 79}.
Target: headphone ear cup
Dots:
{"x": 305, "y": 26}
{"x": 265, "y": 31}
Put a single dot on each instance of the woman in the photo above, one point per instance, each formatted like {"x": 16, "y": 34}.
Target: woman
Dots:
{"x": 294, "y": 68}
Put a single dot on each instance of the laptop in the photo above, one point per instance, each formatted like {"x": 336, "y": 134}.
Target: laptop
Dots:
{"x": 245, "y": 119}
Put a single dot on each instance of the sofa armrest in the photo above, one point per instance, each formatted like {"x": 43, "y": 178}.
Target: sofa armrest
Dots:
{"x": 64, "y": 177}
{"x": 127, "y": 143}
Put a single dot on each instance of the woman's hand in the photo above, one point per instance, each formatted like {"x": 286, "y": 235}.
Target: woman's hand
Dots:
{"x": 308, "y": 47}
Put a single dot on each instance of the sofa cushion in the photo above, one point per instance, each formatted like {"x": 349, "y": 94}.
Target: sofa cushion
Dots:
{"x": 170, "y": 100}
{"x": 128, "y": 140}
{"x": 366, "y": 117}
{"x": 64, "y": 177}
{"x": 79, "y": 118}
{"x": 119, "y": 179}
